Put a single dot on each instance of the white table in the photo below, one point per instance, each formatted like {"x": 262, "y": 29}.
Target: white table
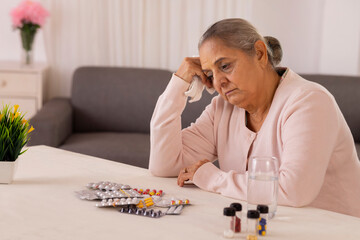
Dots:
{"x": 41, "y": 204}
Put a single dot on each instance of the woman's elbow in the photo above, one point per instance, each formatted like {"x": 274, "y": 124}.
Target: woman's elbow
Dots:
{"x": 296, "y": 198}
{"x": 157, "y": 172}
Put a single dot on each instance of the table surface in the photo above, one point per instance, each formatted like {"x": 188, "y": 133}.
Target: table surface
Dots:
{"x": 41, "y": 204}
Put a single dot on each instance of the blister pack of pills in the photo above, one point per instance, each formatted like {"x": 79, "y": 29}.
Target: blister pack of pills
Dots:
{"x": 132, "y": 209}
{"x": 132, "y": 200}
{"x": 107, "y": 186}
{"x": 172, "y": 202}
{"x": 174, "y": 210}
{"x": 107, "y": 190}
{"x": 87, "y": 195}
{"x": 117, "y": 202}
{"x": 147, "y": 191}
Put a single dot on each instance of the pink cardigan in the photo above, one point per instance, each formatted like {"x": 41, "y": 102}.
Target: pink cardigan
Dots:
{"x": 304, "y": 129}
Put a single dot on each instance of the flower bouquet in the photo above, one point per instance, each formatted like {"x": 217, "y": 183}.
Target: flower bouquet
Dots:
{"x": 28, "y": 17}
{"x": 14, "y": 134}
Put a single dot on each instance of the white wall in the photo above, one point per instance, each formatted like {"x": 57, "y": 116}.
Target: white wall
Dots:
{"x": 10, "y": 43}
{"x": 297, "y": 25}
{"x": 340, "y": 51}
{"x": 317, "y": 36}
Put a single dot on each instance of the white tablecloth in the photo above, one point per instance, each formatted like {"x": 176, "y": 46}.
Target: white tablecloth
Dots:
{"x": 41, "y": 204}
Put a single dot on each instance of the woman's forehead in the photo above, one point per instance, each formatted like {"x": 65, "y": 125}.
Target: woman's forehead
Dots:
{"x": 214, "y": 49}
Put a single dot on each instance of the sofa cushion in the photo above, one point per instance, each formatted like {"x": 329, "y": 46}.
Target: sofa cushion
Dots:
{"x": 122, "y": 99}
{"x": 116, "y": 99}
{"x": 129, "y": 148}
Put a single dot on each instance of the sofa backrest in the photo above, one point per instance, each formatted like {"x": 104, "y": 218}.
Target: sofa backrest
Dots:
{"x": 122, "y": 99}
{"x": 346, "y": 91}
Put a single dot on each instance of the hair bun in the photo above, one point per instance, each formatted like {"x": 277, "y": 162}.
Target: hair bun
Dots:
{"x": 276, "y": 50}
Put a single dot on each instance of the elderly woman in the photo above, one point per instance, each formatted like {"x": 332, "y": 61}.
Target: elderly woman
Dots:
{"x": 261, "y": 110}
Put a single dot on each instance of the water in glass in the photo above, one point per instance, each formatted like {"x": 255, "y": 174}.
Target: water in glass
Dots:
{"x": 263, "y": 183}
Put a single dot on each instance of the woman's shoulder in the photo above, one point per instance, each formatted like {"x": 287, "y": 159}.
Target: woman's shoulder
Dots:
{"x": 293, "y": 86}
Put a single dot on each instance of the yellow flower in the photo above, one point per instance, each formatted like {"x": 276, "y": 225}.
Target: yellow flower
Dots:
{"x": 23, "y": 121}
{"x": 31, "y": 129}
{"x": 16, "y": 108}
{"x": 1, "y": 116}
{"x": 16, "y": 114}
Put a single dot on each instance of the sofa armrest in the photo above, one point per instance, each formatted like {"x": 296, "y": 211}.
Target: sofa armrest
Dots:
{"x": 53, "y": 123}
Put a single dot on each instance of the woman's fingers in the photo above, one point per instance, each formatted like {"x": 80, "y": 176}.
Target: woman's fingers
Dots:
{"x": 187, "y": 173}
{"x": 189, "y": 68}
{"x": 183, "y": 177}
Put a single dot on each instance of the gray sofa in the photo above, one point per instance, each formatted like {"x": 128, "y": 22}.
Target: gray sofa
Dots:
{"x": 108, "y": 114}
{"x": 109, "y": 111}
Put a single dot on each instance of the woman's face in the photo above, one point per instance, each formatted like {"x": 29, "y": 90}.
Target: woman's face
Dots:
{"x": 236, "y": 76}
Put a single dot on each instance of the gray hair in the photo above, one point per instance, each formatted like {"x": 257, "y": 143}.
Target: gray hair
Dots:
{"x": 239, "y": 33}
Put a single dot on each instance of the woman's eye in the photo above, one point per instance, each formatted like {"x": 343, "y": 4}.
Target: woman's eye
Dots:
{"x": 210, "y": 78}
{"x": 225, "y": 67}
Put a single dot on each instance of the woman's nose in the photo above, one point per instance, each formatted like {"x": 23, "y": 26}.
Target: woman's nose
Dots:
{"x": 220, "y": 79}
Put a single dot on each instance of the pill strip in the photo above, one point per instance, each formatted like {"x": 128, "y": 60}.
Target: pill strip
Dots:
{"x": 117, "y": 202}
{"x": 175, "y": 210}
{"x": 132, "y": 209}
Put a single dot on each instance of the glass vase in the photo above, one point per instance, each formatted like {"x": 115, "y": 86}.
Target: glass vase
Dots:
{"x": 27, "y": 39}
{"x": 27, "y": 57}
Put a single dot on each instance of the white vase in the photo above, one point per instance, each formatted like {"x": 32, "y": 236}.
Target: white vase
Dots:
{"x": 7, "y": 171}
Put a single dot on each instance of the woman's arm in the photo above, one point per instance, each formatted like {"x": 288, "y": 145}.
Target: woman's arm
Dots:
{"x": 171, "y": 147}
{"x": 309, "y": 132}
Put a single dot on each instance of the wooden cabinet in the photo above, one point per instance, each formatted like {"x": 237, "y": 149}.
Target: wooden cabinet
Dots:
{"x": 22, "y": 85}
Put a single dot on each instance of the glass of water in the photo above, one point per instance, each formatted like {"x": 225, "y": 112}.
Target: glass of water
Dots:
{"x": 263, "y": 175}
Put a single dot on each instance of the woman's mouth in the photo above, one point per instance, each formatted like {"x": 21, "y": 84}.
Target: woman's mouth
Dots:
{"x": 228, "y": 92}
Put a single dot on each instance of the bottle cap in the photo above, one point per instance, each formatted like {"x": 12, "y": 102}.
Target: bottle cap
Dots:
{"x": 263, "y": 208}
{"x": 229, "y": 211}
{"x": 237, "y": 206}
{"x": 253, "y": 214}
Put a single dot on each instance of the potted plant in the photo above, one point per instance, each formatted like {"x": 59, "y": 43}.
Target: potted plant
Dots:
{"x": 14, "y": 134}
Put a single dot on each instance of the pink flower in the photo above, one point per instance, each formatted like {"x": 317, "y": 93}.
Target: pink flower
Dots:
{"x": 29, "y": 12}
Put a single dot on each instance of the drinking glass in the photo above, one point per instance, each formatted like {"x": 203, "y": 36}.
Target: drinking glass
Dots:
{"x": 263, "y": 184}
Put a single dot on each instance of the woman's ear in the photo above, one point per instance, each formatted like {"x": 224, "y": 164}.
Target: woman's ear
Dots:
{"x": 261, "y": 53}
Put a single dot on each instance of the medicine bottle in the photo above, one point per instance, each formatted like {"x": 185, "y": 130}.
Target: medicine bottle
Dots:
{"x": 264, "y": 216}
{"x": 229, "y": 222}
{"x": 252, "y": 224}
{"x": 238, "y": 208}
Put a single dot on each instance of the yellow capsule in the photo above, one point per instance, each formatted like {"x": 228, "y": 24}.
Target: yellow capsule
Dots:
{"x": 140, "y": 204}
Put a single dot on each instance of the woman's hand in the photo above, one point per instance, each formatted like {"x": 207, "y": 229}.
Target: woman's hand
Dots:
{"x": 190, "y": 67}
{"x": 188, "y": 172}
